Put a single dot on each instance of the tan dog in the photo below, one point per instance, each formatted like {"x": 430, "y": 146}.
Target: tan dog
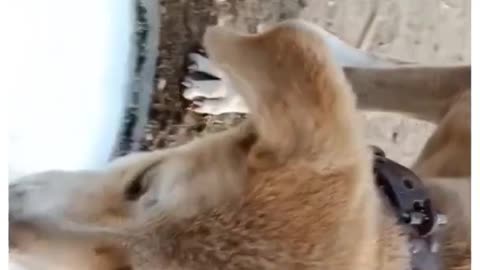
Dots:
{"x": 291, "y": 188}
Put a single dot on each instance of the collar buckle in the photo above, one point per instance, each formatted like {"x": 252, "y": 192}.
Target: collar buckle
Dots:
{"x": 409, "y": 199}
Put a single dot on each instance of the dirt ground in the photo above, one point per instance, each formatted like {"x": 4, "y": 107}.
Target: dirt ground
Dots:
{"x": 427, "y": 31}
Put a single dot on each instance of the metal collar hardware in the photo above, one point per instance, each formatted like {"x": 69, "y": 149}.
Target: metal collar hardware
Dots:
{"x": 409, "y": 199}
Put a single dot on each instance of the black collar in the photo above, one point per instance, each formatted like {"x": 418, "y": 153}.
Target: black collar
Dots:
{"x": 409, "y": 200}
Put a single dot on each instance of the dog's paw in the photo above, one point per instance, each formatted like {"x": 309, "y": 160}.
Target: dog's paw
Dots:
{"x": 195, "y": 89}
{"x": 200, "y": 63}
{"x": 212, "y": 96}
{"x": 228, "y": 104}
{"x": 210, "y": 89}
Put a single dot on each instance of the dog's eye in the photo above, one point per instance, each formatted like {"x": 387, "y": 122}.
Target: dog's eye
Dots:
{"x": 135, "y": 189}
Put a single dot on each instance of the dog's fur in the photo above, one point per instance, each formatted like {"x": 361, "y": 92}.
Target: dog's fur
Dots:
{"x": 291, "y": 188}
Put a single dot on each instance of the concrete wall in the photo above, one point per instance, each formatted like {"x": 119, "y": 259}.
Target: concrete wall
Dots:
{"x": 71, "y": 71}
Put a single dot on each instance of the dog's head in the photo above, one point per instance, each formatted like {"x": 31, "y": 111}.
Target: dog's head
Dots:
{"x": 171, "y": 183}
{"x": 81, "y": 220}
{"x": 303, "y": 130}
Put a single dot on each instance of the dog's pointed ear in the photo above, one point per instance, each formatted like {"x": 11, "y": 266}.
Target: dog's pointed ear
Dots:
{"x": 300, "y": 101}
{"x": 177, "y": 183}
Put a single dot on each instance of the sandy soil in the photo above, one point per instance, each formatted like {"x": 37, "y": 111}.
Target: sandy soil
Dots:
{"x": 427, "y": 31}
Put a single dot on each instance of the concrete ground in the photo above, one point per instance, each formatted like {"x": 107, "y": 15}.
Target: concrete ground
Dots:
{"x": 427, "y": 31}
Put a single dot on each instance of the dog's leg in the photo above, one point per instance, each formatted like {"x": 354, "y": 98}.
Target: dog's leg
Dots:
{"x": 448, "y": 151}
{"x": 422, "y": 92}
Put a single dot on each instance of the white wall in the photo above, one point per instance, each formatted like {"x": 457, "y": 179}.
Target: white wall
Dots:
{"x": 70, "y": 62}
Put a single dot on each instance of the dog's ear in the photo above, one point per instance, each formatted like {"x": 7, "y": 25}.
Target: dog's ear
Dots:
{"x": 182, "y": 181}
{"x": 299, "y": 99}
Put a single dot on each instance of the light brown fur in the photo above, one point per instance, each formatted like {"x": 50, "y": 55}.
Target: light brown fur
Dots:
{"x": 292, "y": 188}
